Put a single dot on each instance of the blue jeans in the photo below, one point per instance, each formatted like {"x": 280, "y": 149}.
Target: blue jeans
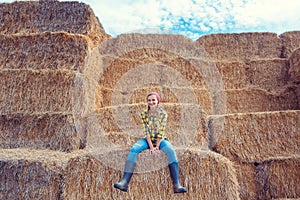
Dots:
{"x": 142, "y": 145}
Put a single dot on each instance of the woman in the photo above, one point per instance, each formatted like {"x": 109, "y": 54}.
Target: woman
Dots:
{"x": 153, "y": 121}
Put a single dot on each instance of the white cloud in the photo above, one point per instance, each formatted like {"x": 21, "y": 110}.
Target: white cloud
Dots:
{"x": 201, "y": 16}
{"x": 272, "y": 15}
{"x": 197, "y": 17}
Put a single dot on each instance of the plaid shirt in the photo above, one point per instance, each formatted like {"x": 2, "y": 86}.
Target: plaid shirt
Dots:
{"x": 154, "y": 126}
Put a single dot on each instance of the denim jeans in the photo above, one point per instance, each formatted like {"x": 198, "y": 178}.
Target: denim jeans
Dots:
{"x": 142, "y": 145}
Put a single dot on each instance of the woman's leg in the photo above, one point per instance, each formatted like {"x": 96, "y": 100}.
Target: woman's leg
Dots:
{"x": 168, "y": 149}
{"x": 138, "y": 147}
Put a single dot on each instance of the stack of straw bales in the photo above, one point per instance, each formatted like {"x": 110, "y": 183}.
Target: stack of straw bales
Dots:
{"x": 244, "y": 46}
{"x": 41, "y": 16}
{"x": 71, "y": 99}
{"x": 45, "y": 50}
{"x": 254, "y": 72}
{"x": 32, "y": 174}
{"x": 198, "y": 172}
{"x": 263, "y": 98}
{"x": 44, "y": 174}
{"x": 294, "y": 72}
{"x": 259, "y": 98}
{"x": 290, "y": 42}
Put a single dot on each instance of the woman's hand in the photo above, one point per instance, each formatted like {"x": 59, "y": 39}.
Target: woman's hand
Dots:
{"x": 154, "y": 150}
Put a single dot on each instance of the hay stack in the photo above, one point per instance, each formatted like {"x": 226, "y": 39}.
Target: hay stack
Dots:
{"x": 163, "y": 64}
{"x": 47, "y": 50}
{"x": 241, "y": 47}
{"x": 257, "y": 86}
{"x": 54, "y": 16}
{"x": 28, "y": 91}
{"x": 279, "y": 178}
{"x": 256, "y": 137}
{"x": 186, "y": 125}
{"x": 125, "y": 63}
{"x": 31, "y": 174}
{"x": 287, "y": 199}
{"x": 290, "y": 41}
{"x": 40, "y": 99}
{"x": 270, "y": 75}
{"x": 153, "y": 62}
{"x": 246, "y": 176}
{"x": 55, "y": 131}
{"x": 294, "y": 71}
{"x": 234, "y": 74}
{"x": 47, "y": 68}
{"x": 110, "y": 97}
{"x": 252, "y": 138}
{"x": 207, "y": 176}
{"x": 254, "y": 99}
{"x": 274, "y": 179}
{"x": 61, "y": 93}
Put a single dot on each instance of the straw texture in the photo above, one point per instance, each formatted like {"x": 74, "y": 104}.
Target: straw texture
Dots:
{"x": 54, "y": 16}
{"x": 241, "y": 47}
{"x": 71, "y": 98}
{"x": 255, "y": 137}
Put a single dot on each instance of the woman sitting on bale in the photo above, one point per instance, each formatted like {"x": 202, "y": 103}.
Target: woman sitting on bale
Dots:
{"x": 153, "y": 121}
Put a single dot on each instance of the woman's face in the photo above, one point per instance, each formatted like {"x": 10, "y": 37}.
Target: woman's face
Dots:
{"x": 152, "y": 101}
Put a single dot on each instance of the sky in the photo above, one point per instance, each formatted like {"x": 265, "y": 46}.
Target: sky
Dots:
{"x": 194, "y": 18}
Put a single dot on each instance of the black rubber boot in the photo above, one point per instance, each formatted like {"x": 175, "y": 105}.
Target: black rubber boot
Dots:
{"x": 174, "y": 172}
{"x": 128, "y": 171}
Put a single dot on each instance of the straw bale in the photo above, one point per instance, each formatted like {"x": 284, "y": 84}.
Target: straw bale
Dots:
{"x": 234, "y": 74}
{"x": 247, "y": 99}
{"x": 186, "y": 126}
{"x": 55, "y": 131}
{"x": 206, "y": 175}
{"x": 46, "y": 50}
{"x": 298, "y": 97}
{"x": 287, "y": 199}
{"x": 253, "y": 99}
{"x": 270, "y": 75}
{"x": 151, "y": 65}
{"x": 204, "y": 99}
{"x": 245, "y": 173}
{"x": 54, "y": 16}
{"x": 44, "y": 174}
{"x": 243, "y": 46}
{"x": 294, "y": 71}
{"x": 279, "y": 178}
{"x": 178, "y": 45}
{"x": 255, "y": 137}
{"x": 109, "y": 97}
{"x": 290, "y": 41}
{"x": 267, "y": 74}
{"x": 26, "y": 91}
{"x": 166, "y": 62}
{"x": 120, "y": 139}
{"x": 31, "y": 174}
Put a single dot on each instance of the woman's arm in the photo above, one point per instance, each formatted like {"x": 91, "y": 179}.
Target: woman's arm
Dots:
{"x": 158, "y": 143}
{"x": 152, "y": 149}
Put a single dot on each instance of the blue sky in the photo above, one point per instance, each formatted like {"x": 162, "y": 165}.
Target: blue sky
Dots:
{"x": 194, "y": 18}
